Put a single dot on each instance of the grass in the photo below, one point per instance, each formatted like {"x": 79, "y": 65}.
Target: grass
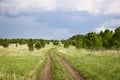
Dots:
{"x": 58, "y": 71}
{"x": 17, "y": 62}
{"x": 98, "y": 65}
{"x": 17, "y": 66}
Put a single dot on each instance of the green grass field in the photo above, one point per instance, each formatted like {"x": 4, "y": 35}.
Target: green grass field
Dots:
{"x": 95, "y": 65}
{"x": 17, "y": 63}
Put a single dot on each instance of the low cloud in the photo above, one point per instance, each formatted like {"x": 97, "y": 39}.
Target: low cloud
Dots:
{"x": 111, "y": 25}
{"x": 102, "y": 28}
{"x": 25, "y": 27}
{"x": 17, "y": 7}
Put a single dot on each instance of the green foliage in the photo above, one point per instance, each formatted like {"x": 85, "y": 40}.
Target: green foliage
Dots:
{"x": 37, "y": 45}
{"x": 1, "y": 42}
{"x": 30, "y": 45}
{"x": 77, "y": 41}
{"x": 55, "y": 42}
{"x": 48, "y": 42}
{"x": 78, "y": 44}
{"x": 116, "y": 38}
{"x": 106, "y": 38}
{"x": 21, "y": 41}
{"x": 5, "y": 43}
{"x": 93, "y": 41}
{"x": 66, "y": 44}
{"x": 17, "y": 41}
{"x": 42, "y": 42}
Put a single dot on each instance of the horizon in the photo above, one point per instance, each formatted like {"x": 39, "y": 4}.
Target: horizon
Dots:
{"x": 60, "y": 39}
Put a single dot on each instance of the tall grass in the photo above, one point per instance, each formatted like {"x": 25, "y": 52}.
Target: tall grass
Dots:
{"x": 20, "y": 66}
{"x": 17, "y": 63}
{"x": 98, "y": 65}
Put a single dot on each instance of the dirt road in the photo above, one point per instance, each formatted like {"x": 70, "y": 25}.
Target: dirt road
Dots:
{"x": 74, "y": 73}
{"x": 46, "y": 72}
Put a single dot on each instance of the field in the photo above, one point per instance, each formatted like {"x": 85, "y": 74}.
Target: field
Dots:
{"x": 19, "y": 63}
{"x": 58, "y": 63}
{"x": 95, "y": 65}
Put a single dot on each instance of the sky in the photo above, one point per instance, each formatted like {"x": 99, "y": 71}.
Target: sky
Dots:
{"x": 56, "y": 19}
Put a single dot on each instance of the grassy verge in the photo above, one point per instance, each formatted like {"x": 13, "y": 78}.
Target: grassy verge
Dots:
{"x": 38, "y": 70}
{"x": 58, "y": 71}
{"x": 16, "y": 67}
{"x": 17, "y": 63}
{"x": 94, "y": 65}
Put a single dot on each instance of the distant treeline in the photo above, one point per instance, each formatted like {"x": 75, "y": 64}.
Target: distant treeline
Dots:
{"x": 95, "y": 41}
{"x": 104, "y": 40}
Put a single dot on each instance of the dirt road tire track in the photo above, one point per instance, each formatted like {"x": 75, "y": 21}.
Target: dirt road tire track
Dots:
{"x": 74, "y": 73}
{"x": 46, "y": 72}
{"x": 31, "y": 74}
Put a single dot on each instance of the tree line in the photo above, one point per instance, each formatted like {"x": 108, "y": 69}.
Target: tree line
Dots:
{"x": 95, "y": 41}
{"x": 104, "y": 40}
{"x": 31, "y": 43}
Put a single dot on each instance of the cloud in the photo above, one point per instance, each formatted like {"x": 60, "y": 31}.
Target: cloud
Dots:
{"x": 113, "y": 22}
{"x": 26, "y": 27}
{"x": 67, "y": 22}
{"x": 103, "y": 28}
{"x": 77, "y": 22}
{"x": 57, "y": 33}
{"x": 56, "y": 19}
{"x": 107, "y": 7}
{"x": 112, "y": 7}
{"x": 16, "y": 7}
{"x": 111, "y": 25}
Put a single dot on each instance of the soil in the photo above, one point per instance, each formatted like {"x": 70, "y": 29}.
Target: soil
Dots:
{"x": 74, "y": 73}
{"x": 46, "y": 72}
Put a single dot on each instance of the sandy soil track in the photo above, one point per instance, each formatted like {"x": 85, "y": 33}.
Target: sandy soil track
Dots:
{"x": 74, "y": 73}
{"x": 46, "y": 72}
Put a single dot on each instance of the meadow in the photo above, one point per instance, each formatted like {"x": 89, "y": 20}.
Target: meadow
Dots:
{"x": 18, "y": 63}
{"x": 94, "y": 65}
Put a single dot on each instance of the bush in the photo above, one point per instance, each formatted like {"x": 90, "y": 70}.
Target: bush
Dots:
{"x": 5, "y": 43}
{"x": 38, "y": 45}
{"x": 30, "y": 45}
